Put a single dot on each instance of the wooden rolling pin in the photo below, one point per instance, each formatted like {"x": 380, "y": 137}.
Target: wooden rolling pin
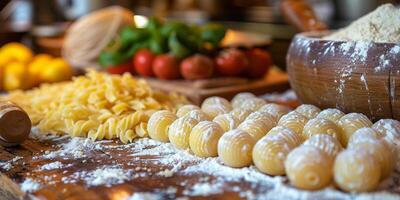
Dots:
{"x": 15, "y": 124}
{"x": 301, "y": 15}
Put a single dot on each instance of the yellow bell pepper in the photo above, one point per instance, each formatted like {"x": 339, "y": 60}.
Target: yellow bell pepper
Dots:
{"x": 17, "y": 52}
{"x": 15, "y": 76}
{"x": 56, "y": 70}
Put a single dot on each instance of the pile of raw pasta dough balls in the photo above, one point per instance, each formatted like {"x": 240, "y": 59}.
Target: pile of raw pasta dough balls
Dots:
{"x": 313, "y": 148}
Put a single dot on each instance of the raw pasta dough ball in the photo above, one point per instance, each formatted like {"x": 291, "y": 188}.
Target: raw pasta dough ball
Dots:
{"x": 198, "y": 115}
{"x": 203, "y": 139}
{"x": 378, "y": 149}
{"x": 308, "y": 110}
{"x": 256, "y": 128}
{"x": 331, "y": 114}
{"x": 227, "y": 122}
{"x": 292, "y": 138}
{"x": 240, "y": 113}
{"x": 356, "y": 171}
{"x": 309, "y": 168}
{"x": 269, "y": 155}
{"x": 391, "y": 129}
{"x": 350, "y": 123}
{"x": 212, "y": 101}
{"x": 159, "y": 123}
{"x": 365, "y": 134}
{"x": 185, "y": 109}
{"x": 235, "y": 148}
{"x": 179, "y": 131}
{"x": 321, "y": 126}
{"x": 253, "y": 104}
{"x": 326, "y": 143}
{"x": 294, "y": 121}
{"x": 276, "y": 110}
{"x": 240, "y": 98}
{"x": 265, "y": 117}
{"x": 214, "y": 110}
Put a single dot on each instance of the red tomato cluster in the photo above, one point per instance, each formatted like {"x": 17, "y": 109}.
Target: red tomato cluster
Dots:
{"x": 252, "y": 63}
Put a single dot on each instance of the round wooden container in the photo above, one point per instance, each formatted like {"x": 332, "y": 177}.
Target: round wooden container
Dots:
{"x": 352, "y": 76}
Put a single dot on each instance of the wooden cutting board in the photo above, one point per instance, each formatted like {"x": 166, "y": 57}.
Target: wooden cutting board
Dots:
{"x": 197, "y": 91}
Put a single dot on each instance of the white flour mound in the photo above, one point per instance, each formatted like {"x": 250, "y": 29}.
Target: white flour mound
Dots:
{"x": 381, "y": 25}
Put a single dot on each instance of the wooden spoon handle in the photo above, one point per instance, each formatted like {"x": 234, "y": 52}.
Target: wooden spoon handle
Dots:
{"x": 301, "y": 15}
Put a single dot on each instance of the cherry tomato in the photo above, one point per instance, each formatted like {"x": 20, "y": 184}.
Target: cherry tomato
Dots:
{"x": 166, "y": 67}
{"x": 231, "y": 62}
{"x": 197, "y": 67}
{"x": 120, "y": 69}
{"x": 143, "y": 62}
{"x": 259, "y": 63}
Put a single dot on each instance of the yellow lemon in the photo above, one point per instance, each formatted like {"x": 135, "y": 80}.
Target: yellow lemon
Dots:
{"x": 18, "y": 52}
{"x": 38, "y": 64}
{"x": 56, "y": 70}
{"x": 15, "y": 76}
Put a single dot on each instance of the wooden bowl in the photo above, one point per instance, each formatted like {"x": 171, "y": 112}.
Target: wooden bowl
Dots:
{"x": 351, "y": 76}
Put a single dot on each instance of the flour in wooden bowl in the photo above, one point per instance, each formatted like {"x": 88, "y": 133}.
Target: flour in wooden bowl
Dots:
{"x": 382, "y": 25}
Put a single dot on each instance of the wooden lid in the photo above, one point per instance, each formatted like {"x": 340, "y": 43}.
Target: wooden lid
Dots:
{"x": 15, "y": 124}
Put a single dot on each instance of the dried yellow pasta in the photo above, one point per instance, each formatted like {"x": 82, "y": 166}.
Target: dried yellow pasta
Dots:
{"x": 276, "y": 110}
{"x": 356, "y": 171}
{"x": 185, "y": 109}
{"x": 235, "y": 148}
{"x": 141, "y": 130}
{"x": 226, "y": 121}
{"x": 240, "y": 113}
{"x": 97, "y": 105}
{"x": 240, "y": 98}
{"x": 322, "y": 126}
{"x": 351, "y": 122}
{"x": 293, "y": 139}
{"x": 309, "y": 168}
{"x": 294, "y": 121}
{"x": 326, "y": 143}
{"x": 308, "y": 110}
{"x": 331, "y": 114}
{"x": 159, "y": 123}
{"x": 179, "y": 131}
{"x": 269, "y": 155}
{"x": 204, "y": 137}
{"x": 122, "y": 127}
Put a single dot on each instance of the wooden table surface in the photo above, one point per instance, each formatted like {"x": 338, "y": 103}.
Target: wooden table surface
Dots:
{"x": 146, "y": 174}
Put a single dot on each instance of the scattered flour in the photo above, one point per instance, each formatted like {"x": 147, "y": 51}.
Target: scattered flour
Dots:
{"x": 145, "y": 196}
{"x": 29, "y": 185}
{"x": 381, "y": 25}
{"x": 105, "y": 176}
{"x": 76, "y": 148}
{"x": 7, "y": 166}
{"x": 204, "y": 189}
{"x": 51, "y": 166}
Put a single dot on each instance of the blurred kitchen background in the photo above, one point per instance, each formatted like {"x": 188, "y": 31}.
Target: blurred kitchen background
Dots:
{"x": 42, "y": 23}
